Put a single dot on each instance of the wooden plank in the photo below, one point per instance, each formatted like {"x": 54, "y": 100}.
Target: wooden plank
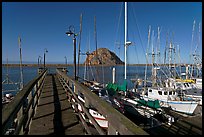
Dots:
{"x": 54, "y": 115}
{"x": 120, "y": 123}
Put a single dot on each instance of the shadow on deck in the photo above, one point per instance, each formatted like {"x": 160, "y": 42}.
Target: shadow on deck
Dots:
{"x": 54, "y": 114}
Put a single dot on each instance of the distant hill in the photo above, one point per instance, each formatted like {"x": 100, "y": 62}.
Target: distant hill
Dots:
{"x": 105, "y": 57}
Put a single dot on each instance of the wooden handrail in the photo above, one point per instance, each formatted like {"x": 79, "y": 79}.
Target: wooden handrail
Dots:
{"x": 12, "y": 109}
{"x": 118, "y": 123}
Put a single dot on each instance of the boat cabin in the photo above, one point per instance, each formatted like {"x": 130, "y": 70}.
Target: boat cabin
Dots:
{"x": 161, "y": 94}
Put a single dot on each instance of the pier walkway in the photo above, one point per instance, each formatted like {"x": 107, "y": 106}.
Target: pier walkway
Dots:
{"x": 54, "y": 114}
{"x": 45, "y": 107}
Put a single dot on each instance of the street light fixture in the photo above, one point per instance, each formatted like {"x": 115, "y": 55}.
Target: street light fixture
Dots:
{"x": 45, "y": 51}
{"x": 70, "y": 33}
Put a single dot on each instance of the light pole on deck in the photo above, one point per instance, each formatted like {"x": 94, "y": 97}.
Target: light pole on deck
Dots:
{"x": 45, "y": 51}
{"x": 70, "y": 33}
{"x": 39, "y": 61}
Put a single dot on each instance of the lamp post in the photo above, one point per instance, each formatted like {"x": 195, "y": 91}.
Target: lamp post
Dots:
{"x": 39, "y": 60}
{"x": 45, "y": 51}
{"x": 70, "y": 33}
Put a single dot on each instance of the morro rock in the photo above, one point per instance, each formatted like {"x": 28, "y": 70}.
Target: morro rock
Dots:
{"x": 103, "y": 56}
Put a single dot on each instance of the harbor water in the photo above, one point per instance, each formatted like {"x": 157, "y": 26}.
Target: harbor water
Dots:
{"x": 102, "y": 74}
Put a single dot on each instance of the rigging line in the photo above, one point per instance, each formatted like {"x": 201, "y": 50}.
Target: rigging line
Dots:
{"x": 179, "y": 59}
{"x": 134, "y": 15}
{"x": 166, "y": 47}
{"x": 192, "y": 40}
{"x": 198, "y": 40}
{"x": 97, "y": 76}
{"x": 87, "y": 46}
{"x": 94, "y": 79}
{"x": 134, "y": 36}
{"x": 118, "y": 25}
{"x": 159, "y": 32}
{"x": 146, "y": 55}
{"x": 162, "y": 70}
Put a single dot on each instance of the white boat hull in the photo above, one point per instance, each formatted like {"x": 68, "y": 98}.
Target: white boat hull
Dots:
{"x": 187, "y": 107}
{"x": 100, "y": 119}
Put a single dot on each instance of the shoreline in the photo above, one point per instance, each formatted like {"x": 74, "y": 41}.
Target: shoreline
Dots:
{"x": 63, "y": 65}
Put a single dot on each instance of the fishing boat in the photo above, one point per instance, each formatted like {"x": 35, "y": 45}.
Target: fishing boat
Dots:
{"x": 127, "y": 101}
{"x": 178, "y": 84}
{"x": 185, "y": 87}
{"x": 170, "y": 98}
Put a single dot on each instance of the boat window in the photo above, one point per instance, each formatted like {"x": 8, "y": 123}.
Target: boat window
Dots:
{"x": 150, "y": 90}
{"x": 160, "y": 92}
{"x": 174, "y": 92}
{"x": 165, "y": 92}
{"x": 170, "y": 92}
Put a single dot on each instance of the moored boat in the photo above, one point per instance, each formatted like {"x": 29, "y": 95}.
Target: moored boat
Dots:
{"x": 170, "y": 98}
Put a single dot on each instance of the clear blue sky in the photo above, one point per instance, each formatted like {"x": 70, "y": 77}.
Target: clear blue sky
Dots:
{"x": 43, "y": 25}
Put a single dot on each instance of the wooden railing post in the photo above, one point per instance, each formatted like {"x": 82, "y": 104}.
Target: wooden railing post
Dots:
{"x": 17, "y": 114}
{"x": 118, "y": 123}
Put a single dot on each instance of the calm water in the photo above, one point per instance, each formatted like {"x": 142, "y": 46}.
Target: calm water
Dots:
{"x": 101, "y": 74}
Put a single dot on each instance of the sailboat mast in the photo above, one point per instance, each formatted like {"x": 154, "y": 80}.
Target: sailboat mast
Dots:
{"x": 79, "y": 50}
{"x": 21, "y": 70}
{"x": 145, "y": 81}
{"x": 125, "y": 38}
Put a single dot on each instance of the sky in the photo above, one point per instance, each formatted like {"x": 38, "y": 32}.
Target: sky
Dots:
{"x": 44, "y": 24}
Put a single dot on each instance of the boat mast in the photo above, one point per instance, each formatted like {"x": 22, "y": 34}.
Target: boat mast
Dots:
{"x": 145, "y": 81}
{"x": 79, "y": 50}
{"x": 125, "y": 39}
{"x": 191, "y": 54}
{"x": 21, "y": 69}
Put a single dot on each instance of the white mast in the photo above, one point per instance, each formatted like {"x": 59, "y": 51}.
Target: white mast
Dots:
{"x": 127, "y": 43}
{"x": 145, "y": 81}
{"x": 125, "y": 38}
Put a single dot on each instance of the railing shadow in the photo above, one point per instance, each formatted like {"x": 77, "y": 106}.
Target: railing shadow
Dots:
{"x": 57, "y": 121}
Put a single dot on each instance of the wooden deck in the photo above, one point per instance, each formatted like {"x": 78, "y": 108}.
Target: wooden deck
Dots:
{"x": 54, "y": 114}
{"x": 191, "y": 125}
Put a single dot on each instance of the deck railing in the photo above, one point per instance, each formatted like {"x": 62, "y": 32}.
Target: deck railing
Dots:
{"x": 17, "y": 115}
{"x": 117, "y": 122}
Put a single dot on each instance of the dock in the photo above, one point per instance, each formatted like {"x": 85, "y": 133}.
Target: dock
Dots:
{"x": 54, "y": 115}
{"x": 44, "y": 107}
{"x": 185, "y": 125}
